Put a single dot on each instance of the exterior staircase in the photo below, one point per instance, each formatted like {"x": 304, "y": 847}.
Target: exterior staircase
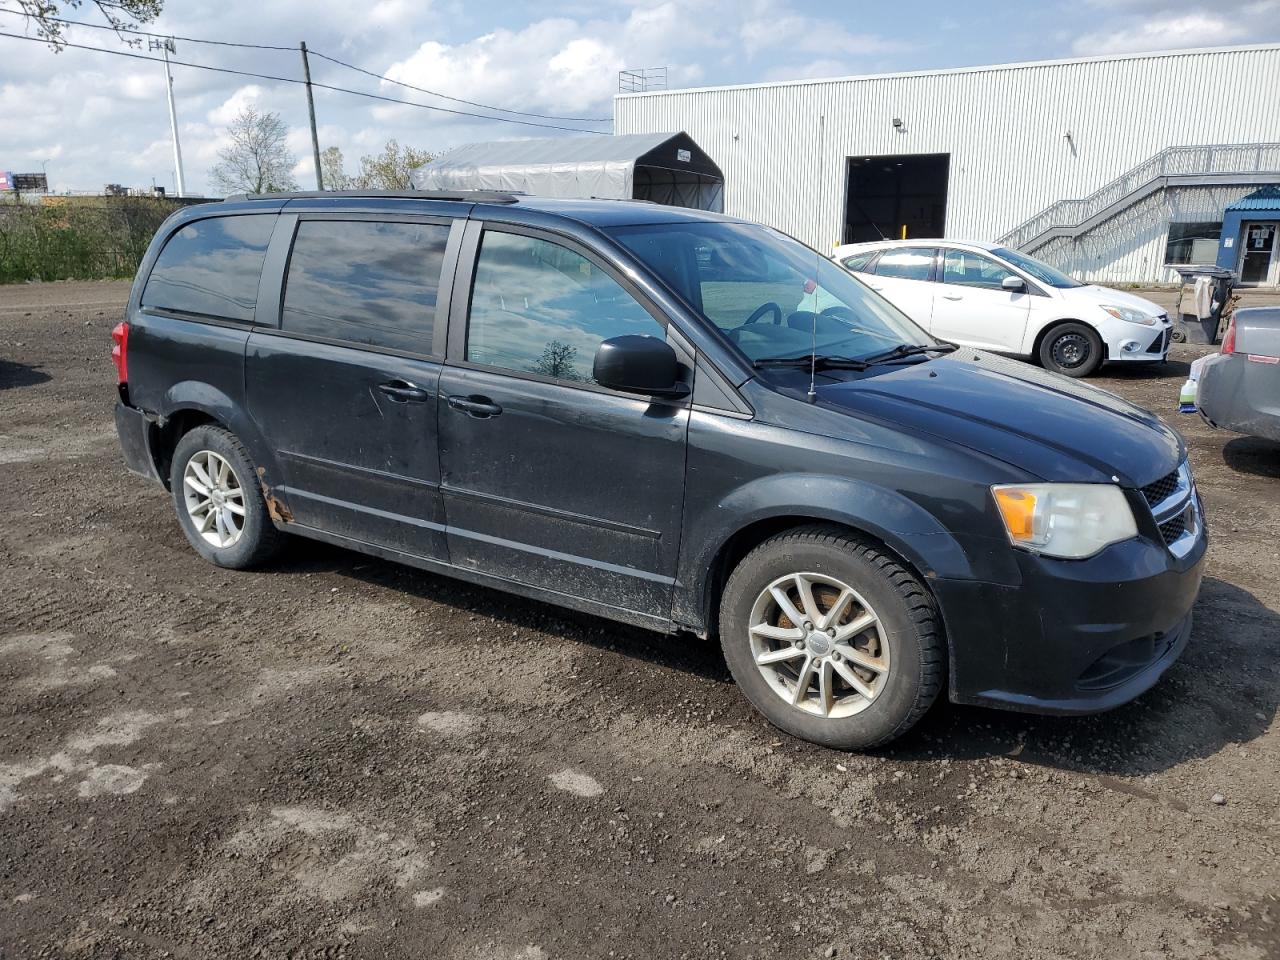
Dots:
{"x": 1186, "y": 166}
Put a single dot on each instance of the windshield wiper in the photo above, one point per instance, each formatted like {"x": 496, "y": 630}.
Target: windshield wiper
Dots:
{"x": 908, "y": 350}
{"x": 819, "y": 363}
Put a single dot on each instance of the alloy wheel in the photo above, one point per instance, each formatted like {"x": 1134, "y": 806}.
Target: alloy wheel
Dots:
{"x": 819, "y": 645}
{"x": 214, "y": 498}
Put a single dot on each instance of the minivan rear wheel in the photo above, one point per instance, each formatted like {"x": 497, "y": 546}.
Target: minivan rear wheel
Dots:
{"x": 832, "y": 639}
{"x": 1072, "y": 349}
{"x": 218, "y": 500}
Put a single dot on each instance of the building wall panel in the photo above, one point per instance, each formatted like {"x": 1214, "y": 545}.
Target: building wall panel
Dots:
{"x": 783, "y": 147}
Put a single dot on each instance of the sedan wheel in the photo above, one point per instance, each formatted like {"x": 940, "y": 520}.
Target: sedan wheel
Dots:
{"x": 1072, "y": 349}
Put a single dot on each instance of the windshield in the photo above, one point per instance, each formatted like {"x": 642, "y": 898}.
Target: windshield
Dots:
{"x": 1041, "y": 271}
{"x": 771, "y": 295}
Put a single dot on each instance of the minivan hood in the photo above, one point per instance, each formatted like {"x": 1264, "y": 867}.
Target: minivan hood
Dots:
{"x": 1050, "y": 426}
{"x": 1114, "y": 298}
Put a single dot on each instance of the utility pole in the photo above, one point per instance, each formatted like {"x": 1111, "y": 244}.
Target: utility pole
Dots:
{"x": 167, "y": 46}
{"x": 311, "y": 110}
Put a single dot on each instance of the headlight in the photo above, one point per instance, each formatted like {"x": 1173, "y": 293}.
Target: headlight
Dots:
{"x": 1067, "y": 520}
{"x": 1131, "y": 315}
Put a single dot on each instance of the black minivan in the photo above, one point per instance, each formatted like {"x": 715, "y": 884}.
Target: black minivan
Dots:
{"x": 669, "y": 418}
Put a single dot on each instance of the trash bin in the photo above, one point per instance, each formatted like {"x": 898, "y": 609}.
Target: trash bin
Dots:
{"x": 1206, "y": 292}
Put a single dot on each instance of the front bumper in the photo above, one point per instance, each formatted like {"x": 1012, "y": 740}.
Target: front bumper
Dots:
{"x": 1076, "y": 636}
{"x": 1148, "y": 345}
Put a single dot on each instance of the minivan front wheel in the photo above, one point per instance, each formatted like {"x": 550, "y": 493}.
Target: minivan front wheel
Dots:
{"x": 1072, "y": 349}
{"x": 218, "y": 500}
{"x": 831, "y": 639}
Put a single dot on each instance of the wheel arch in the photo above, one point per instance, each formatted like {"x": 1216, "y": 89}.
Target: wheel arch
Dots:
{"x": 189, "y": 404}
{"x": 885, "y": 518}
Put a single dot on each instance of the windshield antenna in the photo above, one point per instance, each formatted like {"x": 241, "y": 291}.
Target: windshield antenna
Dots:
{"x": 817, "y": 265}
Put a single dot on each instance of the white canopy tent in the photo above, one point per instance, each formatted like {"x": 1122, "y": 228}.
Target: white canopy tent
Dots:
{"x": 666, "y": 168}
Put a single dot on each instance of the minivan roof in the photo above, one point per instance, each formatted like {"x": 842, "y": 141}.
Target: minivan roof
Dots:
{"x": 593, "y": 211}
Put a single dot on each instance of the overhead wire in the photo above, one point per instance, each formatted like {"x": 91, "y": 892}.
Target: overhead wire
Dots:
{"x": 315, "y": 53}
{"x": 294, "y": 80}
{"x": 148, "y": 33}
{"x": 436, "y": 93}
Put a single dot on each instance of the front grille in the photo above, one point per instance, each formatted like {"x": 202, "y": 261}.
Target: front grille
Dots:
{"x": 1173, "y": 528}
{"x": 1160, "y": 489}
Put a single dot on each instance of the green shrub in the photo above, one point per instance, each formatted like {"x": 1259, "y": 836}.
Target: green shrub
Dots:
{"x": 78, "y": 238}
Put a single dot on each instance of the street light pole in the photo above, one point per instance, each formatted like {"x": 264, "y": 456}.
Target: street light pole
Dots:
{"x": 167, "y": 46}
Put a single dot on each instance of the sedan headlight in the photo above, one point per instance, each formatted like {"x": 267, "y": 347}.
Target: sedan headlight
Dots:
{"x": 1130, "y": 315}
{"x": 1067, "y": 520}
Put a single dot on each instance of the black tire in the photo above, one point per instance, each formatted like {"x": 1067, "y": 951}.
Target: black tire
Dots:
{"x": 908, "y": 618}
{"x": 259, "y": 540}
{"x": 1072, "y": 349}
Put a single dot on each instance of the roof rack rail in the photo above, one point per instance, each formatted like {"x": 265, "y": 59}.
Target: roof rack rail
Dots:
{"x": 473, "y": 196}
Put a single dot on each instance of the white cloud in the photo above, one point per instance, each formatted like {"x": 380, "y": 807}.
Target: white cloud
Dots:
{"x": 1135, "y": 26}
{"x": 234, "y": 105}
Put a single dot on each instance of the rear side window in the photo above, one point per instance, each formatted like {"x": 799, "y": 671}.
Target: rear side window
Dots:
{"x": 906, "y": 263}
{"x": 366, "y": 282}
{"x": 212, "y": 267}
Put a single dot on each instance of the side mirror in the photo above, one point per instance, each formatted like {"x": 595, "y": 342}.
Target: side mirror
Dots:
{"x": 636, "y": 364}
{"x": 1014, "y": 284}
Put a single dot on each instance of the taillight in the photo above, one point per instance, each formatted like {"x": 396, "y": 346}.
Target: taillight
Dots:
{"x": 120, "y": 351}
{"x": 1229, "y": 338}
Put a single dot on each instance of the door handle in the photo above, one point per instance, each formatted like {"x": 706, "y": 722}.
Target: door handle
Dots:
{"x": 953, "y": 296}
{"x": 481, "y": 408}
{"x": 402, "y": 391}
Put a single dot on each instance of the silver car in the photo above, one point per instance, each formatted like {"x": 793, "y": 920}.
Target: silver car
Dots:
{"x": 1239, "y": 388}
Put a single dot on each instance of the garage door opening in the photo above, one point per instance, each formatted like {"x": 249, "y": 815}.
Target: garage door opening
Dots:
{"x": 889, "y": 198}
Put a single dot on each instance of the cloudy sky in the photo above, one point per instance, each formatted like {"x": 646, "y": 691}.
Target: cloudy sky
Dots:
{"x": 99, "y": 119}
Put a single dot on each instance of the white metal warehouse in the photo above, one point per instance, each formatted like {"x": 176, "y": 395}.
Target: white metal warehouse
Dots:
{"x": 1110, "y": 167}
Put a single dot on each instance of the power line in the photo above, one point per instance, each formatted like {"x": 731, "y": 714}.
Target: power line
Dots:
{"x": 145, "y": 33}
{"x": 323, "y": 86}
{"x": 445, "y": 96}
{"x": 316, "y": 53}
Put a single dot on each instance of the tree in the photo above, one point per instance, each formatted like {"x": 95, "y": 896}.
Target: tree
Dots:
{"x": 558, "y": 360}
{"x": 332, "y": 170}
{"x": 390, "y": 169}
{"x": 258, "y": 159}
{"x": 122, "y": 15}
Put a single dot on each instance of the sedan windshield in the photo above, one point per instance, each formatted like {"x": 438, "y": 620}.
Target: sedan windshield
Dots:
{"x": 773, "y": 297}
{"x": 1041, "y": 271}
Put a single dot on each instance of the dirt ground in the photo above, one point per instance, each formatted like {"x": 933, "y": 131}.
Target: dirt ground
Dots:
{"x": 340, "y": 757}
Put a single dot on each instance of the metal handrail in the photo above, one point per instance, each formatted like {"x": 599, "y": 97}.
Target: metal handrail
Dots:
{"x": 1219, "y": 158}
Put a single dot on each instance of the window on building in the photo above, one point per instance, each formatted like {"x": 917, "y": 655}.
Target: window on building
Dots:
{"x": 541, "y": 308}
{"x": 906, "y": 263}
{"x": 1194, "y": 242}
{"x": 212, "y": 267}
{"x": 365, "y": 282}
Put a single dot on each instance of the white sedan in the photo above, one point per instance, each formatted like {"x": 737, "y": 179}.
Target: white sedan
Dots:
{"x": 985, "y": 296}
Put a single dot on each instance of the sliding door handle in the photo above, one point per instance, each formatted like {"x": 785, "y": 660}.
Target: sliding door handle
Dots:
{"x": 482, "y": 408}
